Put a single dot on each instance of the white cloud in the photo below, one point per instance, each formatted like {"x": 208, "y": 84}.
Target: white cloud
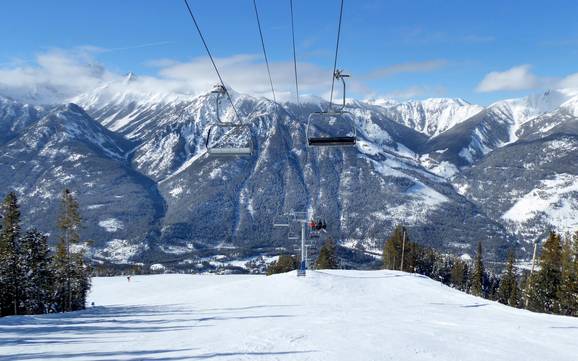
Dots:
{"x": 570, "y": 81}
{"x": 55, "y": 75}
{"x": 517, "y": 78}
{"x": 58, "y": 75}
{"x": 521, "y": 78}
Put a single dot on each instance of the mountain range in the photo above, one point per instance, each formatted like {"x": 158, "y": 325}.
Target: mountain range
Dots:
{"x": 453, "y": 172}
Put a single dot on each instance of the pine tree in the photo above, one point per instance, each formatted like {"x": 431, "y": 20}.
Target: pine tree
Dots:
{"x": 514, "y": 300}
{"x": 60, "y": 276}
{"x": 80, "y": 281}
{"x": 442, "y": 269}
{"x": 35, "y": 260}
{"x": 327, "y": 258}
{"x": 568, "y": 290}
{"x": 544, "y": 284}
{"x": 508, "y": 290}
{"x": 10, "y": 270}
{"x": 426, "y": 262}
{"x": 69, "y": 224}
{"x": 459, "y": 274}
{"x": 3, "y": 277}
{"x": 392, "y": 249}
{"x": 284, "y": 263}
{"x": 478, "y": 274}
{"x": 493, "y": 285}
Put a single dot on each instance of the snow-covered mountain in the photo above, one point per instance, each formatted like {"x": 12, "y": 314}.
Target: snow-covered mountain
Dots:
{"x": 67, "y": 148}
{"x": 430, "y": 116}
{"x": 16, "y": 116}
{"x": 503, "y": 123}
{"x": 529, "y": 186}
{"x": 149, "y": 189}
{"x": 203, "y": 204}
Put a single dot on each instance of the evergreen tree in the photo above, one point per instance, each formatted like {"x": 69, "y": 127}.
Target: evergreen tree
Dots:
{"x": 392, "y": 249}
{"x": 478, "y": 274}
{"x": 3, "y": 277}
{"x": 327, "y": 258}
{"x": 543, "y": 294}
{"x": 285, "y": 263}
{"x": 492, "y": 286}
{"x": 568, "y": 290}
{"x": 525, "y": 285}
{"x": 442, "y": 269}
{"x": 80, "y": 281}
{"x": 459, "y": 275}
{"x": 11, "y": 274}
{"x": 508, "y": 290}
{"x": 426, "y": 261}
{"x": 4, "y": 297}
{"x": 515, "y": 300}
{"x": 60, "y": 276}
{"x": 67, "y": 272}
{"x": 35, "y": 261}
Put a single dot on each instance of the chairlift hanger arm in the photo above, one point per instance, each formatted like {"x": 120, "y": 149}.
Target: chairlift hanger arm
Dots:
{"x": 210, "y": 55}
{"x": 340, "y": 76}
{"x": 220, "y": 89}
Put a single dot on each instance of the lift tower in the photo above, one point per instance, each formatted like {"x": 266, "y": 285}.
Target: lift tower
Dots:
{"x": 285, "y": 221}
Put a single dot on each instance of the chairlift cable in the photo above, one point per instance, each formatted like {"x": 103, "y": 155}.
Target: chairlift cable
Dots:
{"x": 264, "y": 49}
{"x": 294, "y": 53}
{"x": 211, "y": 57}
{"x": 336, "y": 52}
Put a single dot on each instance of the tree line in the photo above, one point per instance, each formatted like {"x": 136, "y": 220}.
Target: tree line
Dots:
{"x": 552, "y": 288}
{"x": 33, "y": 278}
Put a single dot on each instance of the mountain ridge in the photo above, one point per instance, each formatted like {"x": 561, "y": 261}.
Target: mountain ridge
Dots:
{"x": 193, "y": 204}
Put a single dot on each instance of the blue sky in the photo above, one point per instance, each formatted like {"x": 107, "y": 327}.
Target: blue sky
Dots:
{"x": 481, "y": 51}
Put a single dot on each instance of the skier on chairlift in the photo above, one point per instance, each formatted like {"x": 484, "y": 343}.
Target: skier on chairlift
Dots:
{"x": 318, "y": 225}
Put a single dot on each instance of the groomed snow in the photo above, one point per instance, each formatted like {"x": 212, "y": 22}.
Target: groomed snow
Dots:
{"x": 329, "y": 315}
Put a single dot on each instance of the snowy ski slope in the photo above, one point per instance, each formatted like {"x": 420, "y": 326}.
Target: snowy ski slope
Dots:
{"x": 329, "y": 315}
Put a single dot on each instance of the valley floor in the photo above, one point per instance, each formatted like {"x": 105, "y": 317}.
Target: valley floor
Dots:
{"x": 329, "y": 315}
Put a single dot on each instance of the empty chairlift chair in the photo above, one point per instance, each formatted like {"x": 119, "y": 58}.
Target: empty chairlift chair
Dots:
{"x": 320, "y": 124}
{"x": 229, "y": 142}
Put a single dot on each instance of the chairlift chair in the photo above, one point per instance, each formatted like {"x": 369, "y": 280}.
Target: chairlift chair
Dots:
{"x": 216, "y": 148}
{"x": 294, "y": 232}
{"x": 281, "y": 221}
{"x": 349, "y": 139}
{"x": 213, "y": 147}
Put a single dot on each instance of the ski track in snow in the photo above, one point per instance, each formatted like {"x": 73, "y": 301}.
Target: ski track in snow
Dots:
{"x": 328, "y": 315}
